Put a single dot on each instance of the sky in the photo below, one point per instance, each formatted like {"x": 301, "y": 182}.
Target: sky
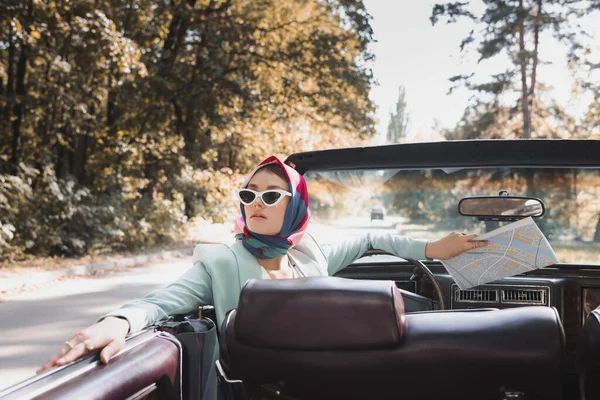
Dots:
{"x": 412, "y": 53}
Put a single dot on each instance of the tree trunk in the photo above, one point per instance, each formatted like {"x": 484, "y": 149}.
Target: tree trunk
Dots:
{"x": 523, "y": 62}
{"x": 63, "y": 156}
{"x": 597, "y": 233}
{"x": 150, "y": 173}
{"x": 10, "y": 81}
{"x": 62, "y": 163}
{"x": 536, "y": 41}
{"x": 177, "y": 31}
{"x": 80, "y": 158}
{"x": 110, "y": 109}
{"x": 195, "y": 143}
{"x": 19, "y": 107}
{"x": 2, "y": 94}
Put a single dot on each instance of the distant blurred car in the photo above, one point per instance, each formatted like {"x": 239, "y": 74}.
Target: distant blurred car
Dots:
{"x": 377, "y": 213}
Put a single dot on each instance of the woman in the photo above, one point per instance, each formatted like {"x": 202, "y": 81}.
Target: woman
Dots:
{"x": 271, "y": 244}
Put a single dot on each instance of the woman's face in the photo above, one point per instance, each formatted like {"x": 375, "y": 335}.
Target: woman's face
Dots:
{"x": 260, "y": 218}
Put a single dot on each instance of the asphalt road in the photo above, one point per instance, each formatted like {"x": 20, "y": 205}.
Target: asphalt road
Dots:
{"x": 34, "y": 324}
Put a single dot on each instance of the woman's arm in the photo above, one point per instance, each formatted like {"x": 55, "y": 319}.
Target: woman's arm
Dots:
{"x": 345, "y": 253}
{"x": 450, "y": 246}
{"x": 108, "y": 334}
{"x": 194, "y": 288}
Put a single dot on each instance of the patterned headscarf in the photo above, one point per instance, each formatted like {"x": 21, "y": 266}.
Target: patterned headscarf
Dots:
{"x": 295, "y": 221}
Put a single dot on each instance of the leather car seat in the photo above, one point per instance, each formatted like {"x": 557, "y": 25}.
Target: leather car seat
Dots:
{"x": 588, "y": 357}
{"x": 334, "y": 338}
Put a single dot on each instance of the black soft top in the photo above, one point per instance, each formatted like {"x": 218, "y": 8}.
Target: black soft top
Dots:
{"x": 454, "y": 154}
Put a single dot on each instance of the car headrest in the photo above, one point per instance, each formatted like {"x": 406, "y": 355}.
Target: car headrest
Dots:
{"x": 324, "y": 313}
{"x": 493, "y": 351}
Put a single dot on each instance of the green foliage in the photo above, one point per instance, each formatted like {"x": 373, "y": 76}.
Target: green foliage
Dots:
{"x": 138, "y": 116}
{"x": 508, "y": 104}
{"x": 432, "y": 196}
{"x": 44, "y": 215}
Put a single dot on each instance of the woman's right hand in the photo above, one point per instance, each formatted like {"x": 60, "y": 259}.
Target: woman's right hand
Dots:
{"x": 108, "y": 335}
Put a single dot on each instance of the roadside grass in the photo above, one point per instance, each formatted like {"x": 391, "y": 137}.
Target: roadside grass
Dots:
{"x": 53, "y": 263}
{"x": 191, "y": 234}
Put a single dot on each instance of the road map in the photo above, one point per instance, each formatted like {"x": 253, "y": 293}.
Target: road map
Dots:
{"x": 514, "y": 248}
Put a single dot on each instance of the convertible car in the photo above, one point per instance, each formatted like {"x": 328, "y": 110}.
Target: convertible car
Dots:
{"x": 391, "y": 328}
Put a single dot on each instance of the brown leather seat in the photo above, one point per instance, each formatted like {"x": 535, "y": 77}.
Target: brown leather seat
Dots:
{"x": 588, "y": 357}
{"x": 324, "y": 338}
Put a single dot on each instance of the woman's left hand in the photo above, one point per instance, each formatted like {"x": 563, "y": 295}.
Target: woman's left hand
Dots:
{"x": 452, "y": 245}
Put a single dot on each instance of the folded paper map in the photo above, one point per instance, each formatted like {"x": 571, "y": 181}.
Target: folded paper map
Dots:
{"x": 514, "y": 248}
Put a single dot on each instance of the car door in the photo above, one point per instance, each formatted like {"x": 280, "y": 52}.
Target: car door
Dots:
{"x": 148, "y": 367}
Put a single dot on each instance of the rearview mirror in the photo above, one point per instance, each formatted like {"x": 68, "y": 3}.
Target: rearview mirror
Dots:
{"x": 501, "y": 207}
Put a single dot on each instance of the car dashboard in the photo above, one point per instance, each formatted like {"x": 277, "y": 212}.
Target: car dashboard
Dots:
{"x": 572, "y": 289}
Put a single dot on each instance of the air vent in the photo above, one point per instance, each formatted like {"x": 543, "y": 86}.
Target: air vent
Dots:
{"x": 477, "y": 296}
{"x": 524, "y": 296}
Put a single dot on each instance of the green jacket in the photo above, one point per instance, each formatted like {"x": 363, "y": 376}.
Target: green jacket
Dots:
{"x": 219, "y": 272}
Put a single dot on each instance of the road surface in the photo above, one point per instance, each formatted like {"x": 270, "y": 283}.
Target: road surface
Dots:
{"x": 33, "y": 325}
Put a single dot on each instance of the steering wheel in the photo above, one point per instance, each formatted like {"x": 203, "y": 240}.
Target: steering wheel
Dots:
{"x": 436, "y": 285}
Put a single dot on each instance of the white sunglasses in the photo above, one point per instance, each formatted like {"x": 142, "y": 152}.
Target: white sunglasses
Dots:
{"x": 268, "y": 197}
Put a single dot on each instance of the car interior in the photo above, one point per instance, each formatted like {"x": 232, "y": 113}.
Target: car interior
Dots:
{"x": 386, "y": 327}
{"x": 307, "y": 349}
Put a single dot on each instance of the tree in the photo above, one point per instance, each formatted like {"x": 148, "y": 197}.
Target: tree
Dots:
{"x": 512, "y": 28}
{"x": 153, "y": 108}
{"x": 399, "y": 119}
